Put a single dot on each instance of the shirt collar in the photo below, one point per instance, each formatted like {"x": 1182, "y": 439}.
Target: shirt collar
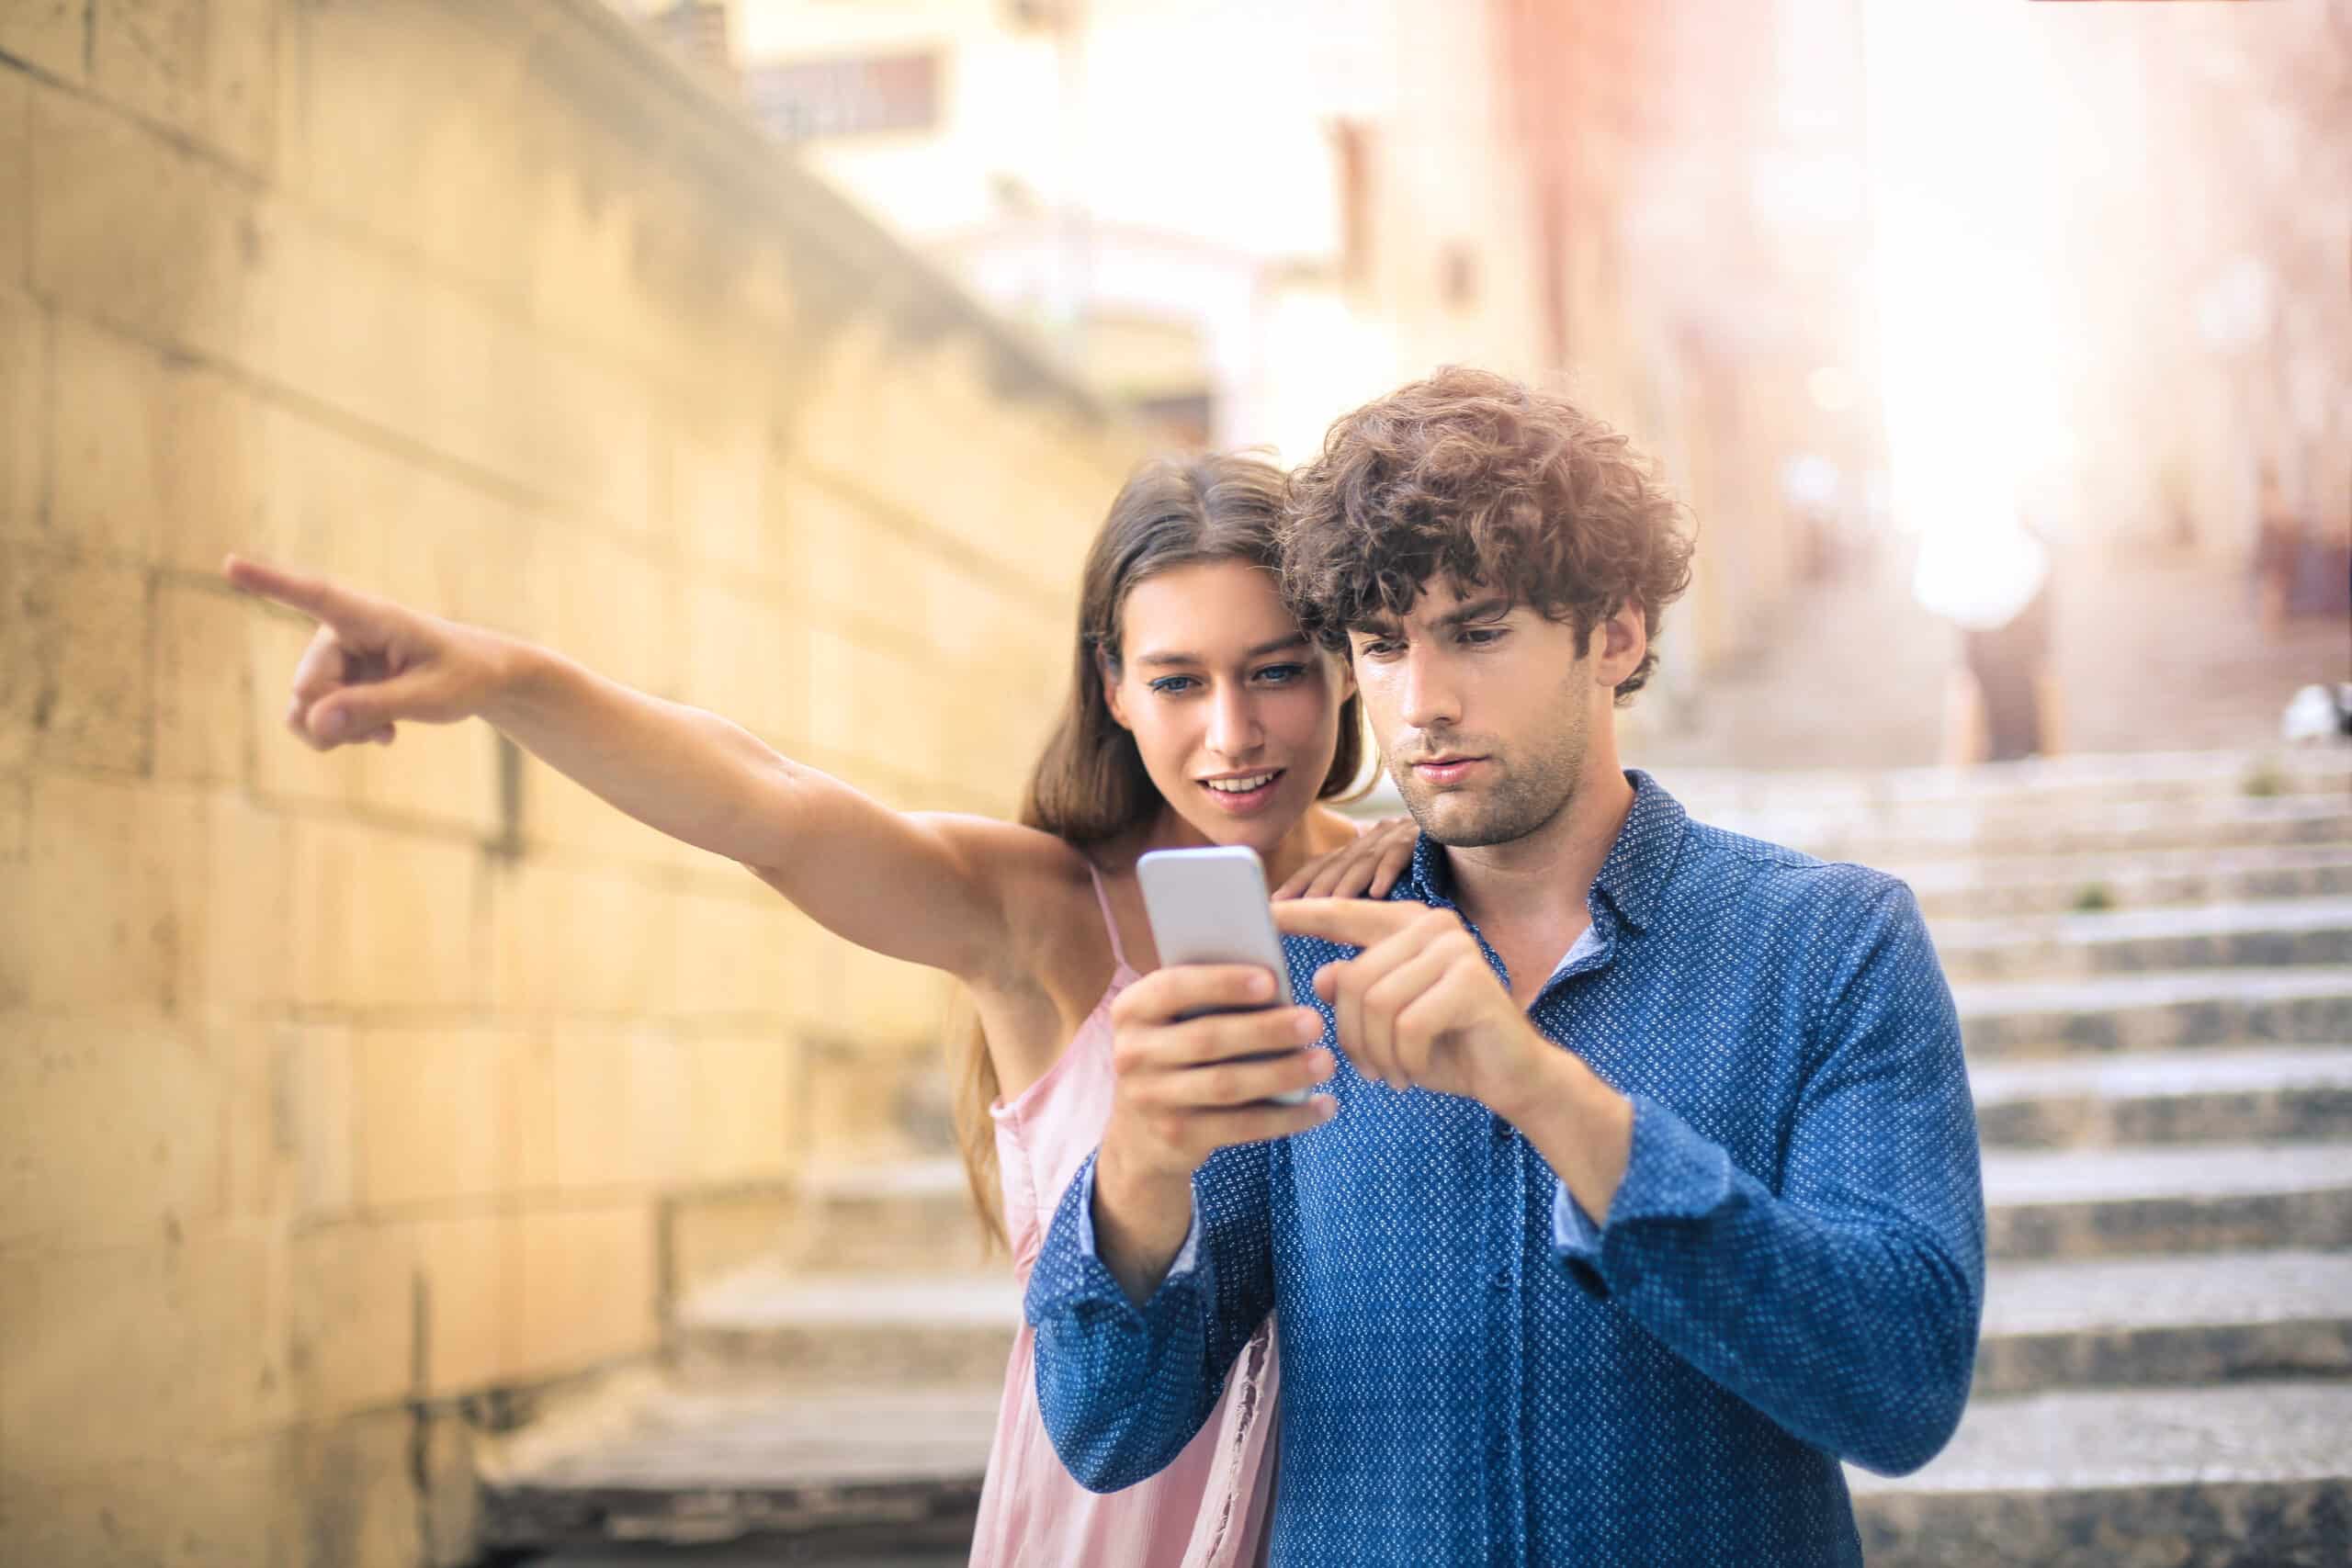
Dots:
{"x": 1632, "y": 877}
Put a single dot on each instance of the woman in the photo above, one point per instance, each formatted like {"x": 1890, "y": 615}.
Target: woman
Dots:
{"x": 1198, "y": 714}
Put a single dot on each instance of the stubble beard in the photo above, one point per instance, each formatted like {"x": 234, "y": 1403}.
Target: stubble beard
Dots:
{"x": 1520, "y": 800}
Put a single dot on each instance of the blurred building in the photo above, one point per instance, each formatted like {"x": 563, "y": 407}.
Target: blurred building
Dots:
{"x": 1241, "y": 219}
{"x": 1235, "y": 219}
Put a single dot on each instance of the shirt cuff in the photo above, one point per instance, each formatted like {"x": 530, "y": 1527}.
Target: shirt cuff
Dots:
{"x": 1672, "y": 1173}
{"x": 1187, "y": 1256}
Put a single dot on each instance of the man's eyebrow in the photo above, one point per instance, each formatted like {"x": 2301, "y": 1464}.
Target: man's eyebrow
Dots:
{"x": 1494, "y": 607}
{"x": 1175, "y": 656}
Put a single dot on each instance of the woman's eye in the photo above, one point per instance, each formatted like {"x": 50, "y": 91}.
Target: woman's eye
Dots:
{"x": 1172, "y": 686}
{"x": 1282, "y": 674}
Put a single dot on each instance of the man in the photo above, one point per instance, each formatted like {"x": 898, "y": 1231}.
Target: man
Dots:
{"x": 1643, "y": 1184}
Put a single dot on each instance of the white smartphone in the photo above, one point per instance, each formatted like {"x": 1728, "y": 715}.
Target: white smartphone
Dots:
{"x": 1211, "y": 906}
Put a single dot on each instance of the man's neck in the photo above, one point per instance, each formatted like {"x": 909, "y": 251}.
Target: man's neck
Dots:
{"x": 1541, "y": 881}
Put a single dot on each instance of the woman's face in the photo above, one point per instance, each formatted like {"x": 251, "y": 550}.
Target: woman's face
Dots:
{"x": 1236, "y": 713}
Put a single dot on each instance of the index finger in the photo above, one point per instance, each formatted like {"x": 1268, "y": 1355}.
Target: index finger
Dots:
{"x": 1180, "y": 989}
{"x": 314, "y": 596}
{"x": 1357, "y": 922}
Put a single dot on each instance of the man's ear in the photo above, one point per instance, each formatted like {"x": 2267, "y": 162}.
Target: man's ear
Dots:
{"x": 1619, "y": 643}
{"x": 1108, "y": 674}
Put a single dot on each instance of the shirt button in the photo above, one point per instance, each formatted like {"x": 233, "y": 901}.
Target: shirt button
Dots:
{"x": 1500, "y": 1279}
{"x": 1502, "y": 1131}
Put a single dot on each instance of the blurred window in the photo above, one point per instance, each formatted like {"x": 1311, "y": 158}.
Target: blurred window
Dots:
{"x": 803, "y": 99}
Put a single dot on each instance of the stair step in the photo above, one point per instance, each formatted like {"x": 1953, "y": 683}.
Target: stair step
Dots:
{"x": 1840, "y": 833}
{"x": 2197, "y": 1318}
{"x": 854, "y": 1331}
{"x": 2041, "y": 782}
{"x": 2228, "y": 1477}
{"x": 839, "y": 1476}
{"x": 914, "y": 1220}
{"x": 2282, "y": 933}
{"x": 2189, "y": 1198}
{"x": 2289, "y": 1093}
{"x": 2143, "y": 1012}
{"x": 911, "y": 1216}
{"x": 2210, "y": 1317}
{"x": 1985, "y": 887}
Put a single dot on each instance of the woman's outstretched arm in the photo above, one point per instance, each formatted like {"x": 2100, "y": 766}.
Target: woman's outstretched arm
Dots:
{"x": 927, "y": 888}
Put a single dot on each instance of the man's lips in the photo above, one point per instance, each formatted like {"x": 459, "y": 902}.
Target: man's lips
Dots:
{"x": 1444, "y": 770}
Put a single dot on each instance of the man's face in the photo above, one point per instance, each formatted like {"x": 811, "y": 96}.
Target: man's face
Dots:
{"x": 1483, "y": 711}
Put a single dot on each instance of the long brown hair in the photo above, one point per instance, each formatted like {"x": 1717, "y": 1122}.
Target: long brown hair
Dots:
{"x": 1089, "y": 785}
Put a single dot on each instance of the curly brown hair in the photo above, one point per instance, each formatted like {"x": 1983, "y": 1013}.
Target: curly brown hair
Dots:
{"x": 1489, "y": 483}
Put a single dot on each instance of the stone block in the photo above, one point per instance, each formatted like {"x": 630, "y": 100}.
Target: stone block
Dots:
{"x": 207, "y": 67}
{"x": 112, "y": 1131}
{"x": 623, "y": 1102}
{"x": 887, "y": 1001}
{"x": 493, "y": 171}
{"x": 424, "y": 99}
{"x": 355, "y": 1317}
{"x": 744, "y": 660}
{"x": 707, "y": 1235}
{"x": 152, "y": 458}
{"x": 313, "y": 1089}
{"x": 719, "y": 476}
{"x": 16, "y": 836}
{"x": 433, "y": 364}
{"x": 876, "y": 702}
{"x": 109, "y": 877}
{"x": 203, "y": 684}
{"x": 427, "y": 1112}
{"x": 462, "y": 1262}
{"x": 74, "y": 686}
{"x": 615, "y": 608}
{"x": 131, "y": 231}
{"x": 747, "y": 955}
{"x": 24, "y": 387}
{"x": 212, "y": 1505}
{"x": 744, "y": 1107}
{"x": 355, "y": 1493}
{"x": 526, "y": 1111}
{"x": 190, "y": 1334}
{"x": 582, "y": 1288}
{"x": 51, "y": 34}
{"x": 233, "y": 918}
{"x": 383, "y": 920}
{"x": 574, "y": 941}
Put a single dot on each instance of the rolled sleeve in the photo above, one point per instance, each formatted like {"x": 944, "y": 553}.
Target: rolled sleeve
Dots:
{"x": 1672, "y": 1173}
{"x": 1123, "y": 1386}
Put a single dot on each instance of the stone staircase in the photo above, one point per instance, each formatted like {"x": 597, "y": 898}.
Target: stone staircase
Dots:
{"x": 2153, "y": 958}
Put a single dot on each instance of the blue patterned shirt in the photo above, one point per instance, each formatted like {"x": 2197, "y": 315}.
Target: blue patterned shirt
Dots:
{"x": 1474, "y": 1371}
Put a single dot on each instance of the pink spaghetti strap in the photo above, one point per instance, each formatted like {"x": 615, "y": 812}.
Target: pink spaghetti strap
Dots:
{"x": 1109, "y": 925}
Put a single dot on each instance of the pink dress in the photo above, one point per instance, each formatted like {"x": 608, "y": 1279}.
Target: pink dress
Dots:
{"x": 1208, "y": 1508}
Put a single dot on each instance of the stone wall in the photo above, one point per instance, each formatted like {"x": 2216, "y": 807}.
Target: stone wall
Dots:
{"x": 343, "y": 1100}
